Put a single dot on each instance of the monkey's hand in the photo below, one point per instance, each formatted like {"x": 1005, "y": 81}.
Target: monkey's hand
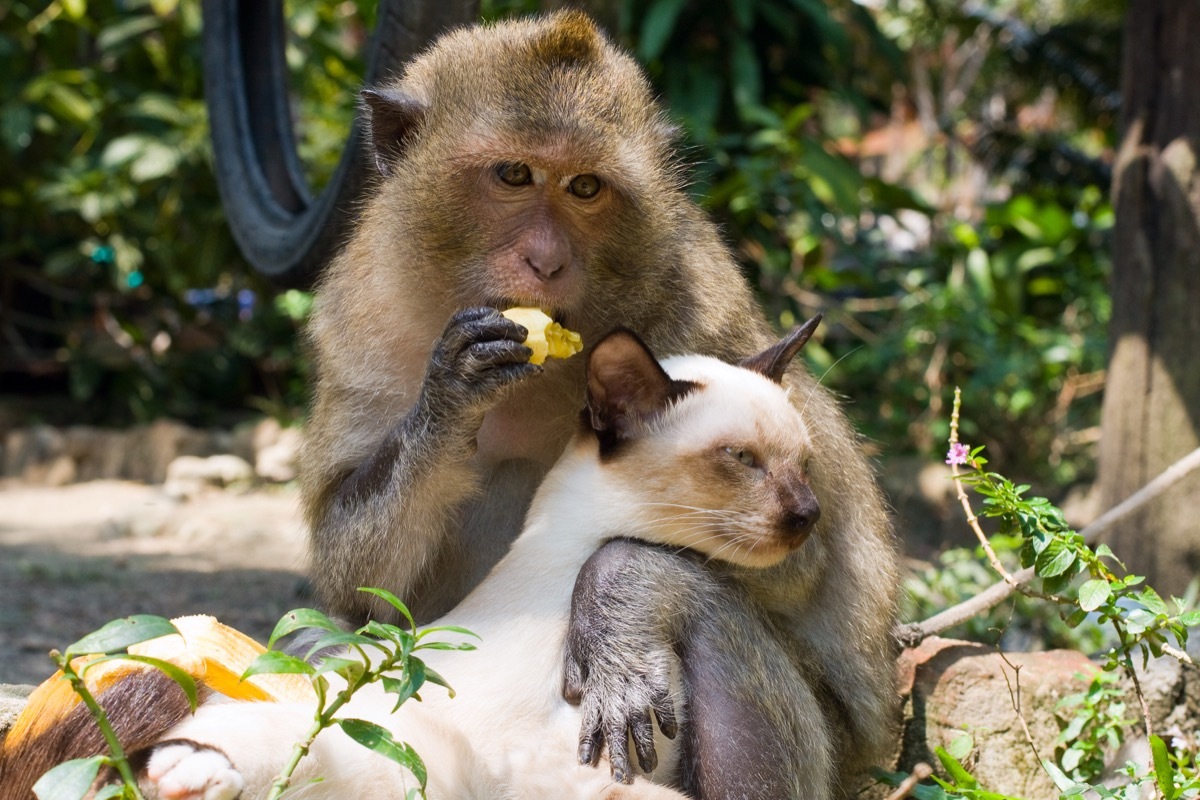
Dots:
{"x": 186, "y": 771}
{"x": 618, "y": 665}
{"x": 478, "y": 357}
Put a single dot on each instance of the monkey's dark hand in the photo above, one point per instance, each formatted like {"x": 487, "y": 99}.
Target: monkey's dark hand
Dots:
{"x": 478, "y": 357}
{"x": 618, "y": 664}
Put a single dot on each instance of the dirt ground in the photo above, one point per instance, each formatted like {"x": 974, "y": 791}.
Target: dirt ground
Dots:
{"x": 75, "y": 557}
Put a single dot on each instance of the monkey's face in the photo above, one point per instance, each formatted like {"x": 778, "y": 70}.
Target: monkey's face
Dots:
{"x": 540, "y": 221}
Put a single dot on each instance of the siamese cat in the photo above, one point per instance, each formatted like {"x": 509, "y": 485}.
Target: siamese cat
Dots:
{"x": 690, "y": 453}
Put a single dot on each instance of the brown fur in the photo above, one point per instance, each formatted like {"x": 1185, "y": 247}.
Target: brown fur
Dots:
{"x": 438, "y": 235}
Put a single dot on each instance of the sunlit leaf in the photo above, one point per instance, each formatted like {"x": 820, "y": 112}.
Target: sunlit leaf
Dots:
{"x": 1094, "y": 594}
{"x": 70, "y": 780}
{"x": 120, "y": 634}
{"x": 379, "y": 740}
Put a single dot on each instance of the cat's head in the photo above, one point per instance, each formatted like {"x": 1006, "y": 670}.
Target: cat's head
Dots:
{"x": 707, "y": 455}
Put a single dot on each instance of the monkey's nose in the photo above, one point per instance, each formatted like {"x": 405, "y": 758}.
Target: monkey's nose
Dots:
{"x": 545, "y": 268}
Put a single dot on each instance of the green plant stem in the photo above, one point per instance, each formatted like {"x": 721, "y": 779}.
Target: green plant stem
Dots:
{"x": 324, "y": 720}
{"x": 116, "y": 751}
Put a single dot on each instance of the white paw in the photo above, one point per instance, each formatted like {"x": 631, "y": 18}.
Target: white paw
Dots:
{"x": 185, "y": 772}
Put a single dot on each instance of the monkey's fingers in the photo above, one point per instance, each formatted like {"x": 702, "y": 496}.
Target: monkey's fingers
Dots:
{"x": 480, "y": 324}
{"x": 591, "y": 739}
{"x": 616, "y": 735}
{"x": 664, "y": 712}
{"x": 484, "y": 355}
{"x": 574, "y": 677}
{"x": 643, "y": 739}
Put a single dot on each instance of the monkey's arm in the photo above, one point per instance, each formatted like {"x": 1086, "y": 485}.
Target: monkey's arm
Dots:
{"x": 386, "y": 522}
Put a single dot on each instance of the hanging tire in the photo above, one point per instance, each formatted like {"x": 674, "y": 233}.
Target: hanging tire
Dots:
{"x": 284, "y": 231}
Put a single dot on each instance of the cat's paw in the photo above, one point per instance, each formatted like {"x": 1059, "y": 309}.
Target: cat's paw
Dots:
{"x": 186, "y": 771}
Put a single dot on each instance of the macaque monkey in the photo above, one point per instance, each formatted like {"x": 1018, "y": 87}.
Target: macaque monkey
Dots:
{"x": 527, "y": 163}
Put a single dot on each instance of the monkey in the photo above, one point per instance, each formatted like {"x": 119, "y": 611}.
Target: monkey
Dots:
{"x": 528, "y": 163}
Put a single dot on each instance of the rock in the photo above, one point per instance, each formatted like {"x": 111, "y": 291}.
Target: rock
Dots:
{"x": 12, "y": 700}
{"x": 35, "y": 454}
{"x": 277, "y": 451}
{"x": 190, "y": 475}
{"x": 957, "y": 687}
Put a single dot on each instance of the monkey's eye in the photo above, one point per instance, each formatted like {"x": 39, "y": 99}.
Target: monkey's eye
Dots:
{"x": 514, "y": 174}
{"x": 746, "y": 457}
{"x": 584, "y": 187}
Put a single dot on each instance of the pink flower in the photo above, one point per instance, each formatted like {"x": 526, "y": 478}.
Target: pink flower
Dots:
{"x": 959, "y": 454}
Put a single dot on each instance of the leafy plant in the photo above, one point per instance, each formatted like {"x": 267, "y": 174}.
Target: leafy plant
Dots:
{"x": 375, "y": 653}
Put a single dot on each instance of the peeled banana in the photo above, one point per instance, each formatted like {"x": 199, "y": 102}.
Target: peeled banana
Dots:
{"x": 546, "y": 337}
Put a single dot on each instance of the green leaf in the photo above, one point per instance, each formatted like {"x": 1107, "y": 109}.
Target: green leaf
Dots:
{"x": 274, "y": 662}
{"x": 1138, "y": 621}
{"x": 299, "y": 619}
{"x": 657, "y": 26}
{"x": 112, "y": 790}
{"x": 70, "y": 780}
{"x": 961, "y": 747}
{"x": 185, "y": 681}
{"x": 432, "y": 676}
{"x": 127, "y": 30}
{"x": 1190, "y": 619}
{"x": 346, "y": 639}
{"x": 349, "y": 668}
{"x": 379, "y": 740}
{"x": 1164, "y": 773}
{"x": 1058, "y": 776}
{"x": 394, "y": 601}
{"x": 120, "y": 634}
{"x": 1104, "y": 551}
{"x": 1055, "y": 559}
{"x": 962, "y": 778}
{"x": 407, "y": 684}
{"x": 1152, "y": 601}
{"x": 1094, "y": 594}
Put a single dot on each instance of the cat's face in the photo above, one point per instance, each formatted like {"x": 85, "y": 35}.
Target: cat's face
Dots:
{"x": 724, "y": 470}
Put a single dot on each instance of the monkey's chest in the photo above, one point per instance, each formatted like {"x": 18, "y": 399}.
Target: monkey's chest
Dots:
{"x": 519, "y": 429}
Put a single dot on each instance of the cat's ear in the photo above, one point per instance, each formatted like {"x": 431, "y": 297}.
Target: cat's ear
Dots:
{"x": 626, "y": 386}
{"x": 774, "y": 361}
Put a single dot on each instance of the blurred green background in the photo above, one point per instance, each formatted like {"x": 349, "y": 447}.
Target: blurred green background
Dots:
{"x": 931, "y": 175}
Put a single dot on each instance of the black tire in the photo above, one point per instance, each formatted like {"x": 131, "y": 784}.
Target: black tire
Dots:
{"x": 284, "y": 232}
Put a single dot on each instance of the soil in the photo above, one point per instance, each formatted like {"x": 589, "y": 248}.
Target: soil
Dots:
{"x": 73, "y": 558}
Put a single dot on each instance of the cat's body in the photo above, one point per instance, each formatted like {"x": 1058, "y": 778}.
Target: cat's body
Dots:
{"x": 705, "y": 455}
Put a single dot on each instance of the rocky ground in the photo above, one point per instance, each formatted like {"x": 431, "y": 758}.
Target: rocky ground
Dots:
{"x": 74, "y": 557}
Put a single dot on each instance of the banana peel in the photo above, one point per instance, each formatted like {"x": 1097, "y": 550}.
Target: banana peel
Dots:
{"x": 214, "y": 654}
{"x": 546, "y": 337}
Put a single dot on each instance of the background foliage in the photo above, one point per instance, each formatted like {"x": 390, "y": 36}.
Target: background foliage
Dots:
{"x": 932, "y": 175}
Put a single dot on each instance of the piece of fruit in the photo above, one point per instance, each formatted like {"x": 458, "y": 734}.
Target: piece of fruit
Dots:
{"x": 546, "y": 337}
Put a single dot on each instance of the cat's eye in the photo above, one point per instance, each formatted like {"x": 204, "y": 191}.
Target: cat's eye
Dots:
{"x": 514, "y": 174}
{"x": 744, "y": 456}
{"x": 584, "y": 187}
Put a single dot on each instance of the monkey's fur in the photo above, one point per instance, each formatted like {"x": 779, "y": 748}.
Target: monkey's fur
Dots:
{"x": 424, "y": 451}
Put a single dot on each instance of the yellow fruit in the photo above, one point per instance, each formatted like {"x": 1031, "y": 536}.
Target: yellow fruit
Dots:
{"x": 546, "y": 337}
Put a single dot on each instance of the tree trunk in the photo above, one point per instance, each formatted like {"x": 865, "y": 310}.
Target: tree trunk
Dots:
{"x": 1151, "y": 414}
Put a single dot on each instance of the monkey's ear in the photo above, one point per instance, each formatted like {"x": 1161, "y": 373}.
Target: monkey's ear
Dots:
{"x": 773, "y": 361}
{"x": 626, "y": 387}
{"x": 392, "y": 117}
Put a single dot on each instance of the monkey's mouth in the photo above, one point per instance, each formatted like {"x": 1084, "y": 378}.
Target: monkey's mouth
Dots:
{"x": 504, "y": 303}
